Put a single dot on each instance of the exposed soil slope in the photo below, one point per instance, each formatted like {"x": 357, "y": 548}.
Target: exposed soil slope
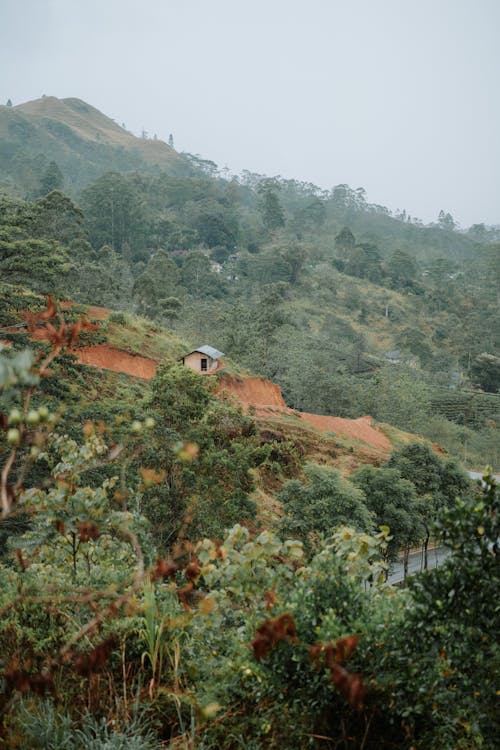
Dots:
{"x": 252, "y": 391}
{"x": 263, "y": 395}
{"x": 107, "y": 358}
{"x": 267, "y": 400}
{"x": 359, "y": 429}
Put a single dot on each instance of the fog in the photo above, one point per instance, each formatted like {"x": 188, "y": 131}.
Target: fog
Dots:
{"x": 397, "y": 96}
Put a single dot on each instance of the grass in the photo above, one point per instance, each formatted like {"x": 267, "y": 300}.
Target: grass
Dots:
{"x": 145, "y": 338}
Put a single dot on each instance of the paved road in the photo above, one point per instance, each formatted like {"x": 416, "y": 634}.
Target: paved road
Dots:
{"x": 416, "y": 563}
{"x": 434, "y": 558}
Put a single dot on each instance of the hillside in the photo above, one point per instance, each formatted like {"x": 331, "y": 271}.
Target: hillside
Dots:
{"x": 350, "y": 309}
{"x": 82, "y": 141}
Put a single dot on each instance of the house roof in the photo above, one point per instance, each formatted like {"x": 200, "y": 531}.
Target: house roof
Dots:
{"x": 208, "y": 350}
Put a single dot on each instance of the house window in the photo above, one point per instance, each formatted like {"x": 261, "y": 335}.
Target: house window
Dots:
{"x": 204, "y": 364}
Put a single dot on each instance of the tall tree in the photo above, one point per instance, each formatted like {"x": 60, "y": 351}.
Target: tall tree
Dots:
{"x": 52, "y": 179}
{"x": 273, "y": 216}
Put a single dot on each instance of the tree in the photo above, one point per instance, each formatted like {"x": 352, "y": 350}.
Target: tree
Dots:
{"x": 171, "y": 140}
{"x": 159, "y": 280}
{"x": 115, "y": 214}
{"x": 52, "y": 179}
{"x": 58, "y": 218}
{"x": 170, "y": 307}
{"x": 204, "y": 449}
{"x": 446, "y": 221}
{"x": 345, "y": 242}
{"x": 272, "y": 213}
{"x": 393, "y": 501}
{"x": 485, "y": 371}
{"x": 437, "y": 482}
{"x": 402, "y": 269}
{"x": 320, "y": 505}
{"x": 9, "y": 103}
{"x": 37, "y": 264}
{"x": 449, "y": 633}
{"x": 415, "y": 341}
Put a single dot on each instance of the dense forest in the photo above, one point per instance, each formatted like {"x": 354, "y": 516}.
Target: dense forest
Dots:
{"x": 175, "y": 572}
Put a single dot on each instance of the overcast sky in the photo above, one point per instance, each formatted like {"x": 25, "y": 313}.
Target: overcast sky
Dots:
{"x": 400, "y": 97}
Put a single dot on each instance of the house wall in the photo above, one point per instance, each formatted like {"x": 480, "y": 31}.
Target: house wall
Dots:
{"x": 193, "y": 361}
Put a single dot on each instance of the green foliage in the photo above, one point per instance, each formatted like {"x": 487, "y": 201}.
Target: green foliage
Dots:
{"x": 321, "y": 505}
{"x": 52, "y": 179}
{"x": 41, "y": 265}
{"x": 393, "y": 501}
{"x": 46, "y": 729}
{"x": 448, "y": 639}
{"x": 159, "y": 280}
{"x": 431, "y": 475}
{"x": 486, "y": 372}
{"x": 272, "y": 213}
{"x": 204, "y": 450}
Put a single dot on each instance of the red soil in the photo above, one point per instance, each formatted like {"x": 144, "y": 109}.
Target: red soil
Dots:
{"x": 107, "y": 358}
{"x": 267, "y": 400}
{"x": 359, "y": 429}
{"x": 263, "y": 395}
{"x": 252, "y": 391}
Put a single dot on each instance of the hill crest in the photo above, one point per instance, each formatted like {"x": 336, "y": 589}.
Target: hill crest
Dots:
{"x": 84, "y": 142}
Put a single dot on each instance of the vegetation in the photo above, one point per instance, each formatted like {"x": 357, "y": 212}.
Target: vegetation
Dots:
{"x": 251, "y": 639}
{"x": 147, "y": 599}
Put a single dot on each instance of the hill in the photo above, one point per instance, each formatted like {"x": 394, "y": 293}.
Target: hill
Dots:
{"x": 349, "y": 308}
{"x": 133, "y": 347}
{"x": 83, "y": 142}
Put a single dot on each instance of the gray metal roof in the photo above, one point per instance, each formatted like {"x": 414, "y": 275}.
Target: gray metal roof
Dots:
{"x": 209, "y": 351}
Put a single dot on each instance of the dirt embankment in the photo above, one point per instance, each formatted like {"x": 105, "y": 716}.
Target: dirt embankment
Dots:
{"x": 107, "y": 358}
{"x": 267, "y": 400}
{"x": 359, "y": 429}
{"x": 252, "y": 391}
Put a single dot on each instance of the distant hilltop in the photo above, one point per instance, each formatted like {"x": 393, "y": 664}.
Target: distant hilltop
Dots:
{"x": 82, "y": 141}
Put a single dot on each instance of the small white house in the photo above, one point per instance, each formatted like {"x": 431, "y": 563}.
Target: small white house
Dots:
{"x": 204, "y": 360}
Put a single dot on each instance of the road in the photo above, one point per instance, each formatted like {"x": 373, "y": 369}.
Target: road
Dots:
{"x": 416, "y": 563}
{"x": 434, "y": 558}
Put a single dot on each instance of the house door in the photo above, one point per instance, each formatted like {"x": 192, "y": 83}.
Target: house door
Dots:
{"x": 204, "y": 364}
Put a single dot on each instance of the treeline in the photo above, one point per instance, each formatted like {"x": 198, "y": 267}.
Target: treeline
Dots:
{"x": 317, "y": 290}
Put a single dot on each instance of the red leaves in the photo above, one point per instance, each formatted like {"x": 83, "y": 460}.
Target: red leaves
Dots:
{"x": 47, "y": 314}
{"x": 282, "y": 628}
{"x": 87, "y": 530}
{"x": 349, "y": 685}
{"x": 192, "y": 570}
{"x": 21, "y": 680}
{"x": 87, "y": 664}
{"x": 165, "y": 568}
{"x": 61, "y": 336}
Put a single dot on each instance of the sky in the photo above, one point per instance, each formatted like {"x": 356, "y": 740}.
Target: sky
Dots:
{"x": 397, "y": 96}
